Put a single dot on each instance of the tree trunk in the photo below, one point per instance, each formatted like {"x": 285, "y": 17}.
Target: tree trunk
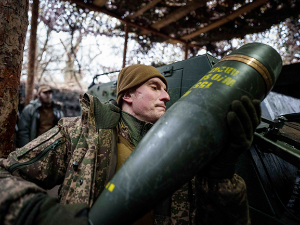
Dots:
{"x": 70, "y": 71}
{"x": 32, "y": 52}
{"x": 13, "y": 27}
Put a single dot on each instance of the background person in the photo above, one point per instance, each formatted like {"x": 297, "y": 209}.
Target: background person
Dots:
{"x": 39, "y": 116}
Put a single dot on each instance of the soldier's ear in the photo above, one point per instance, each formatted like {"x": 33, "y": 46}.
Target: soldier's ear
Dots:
{"x": 127, "y": 97}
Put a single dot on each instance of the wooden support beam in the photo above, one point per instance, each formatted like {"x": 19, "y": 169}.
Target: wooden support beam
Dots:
{"x": 128, "y": 22}
{"x": 176, "y": 15}
{"x": 226, "y": 19}
{"x": 186, "y": 55}
{"x": 125, "y": 45}
{"x": 144, "y": 9}
{"x": 100, "y": 3}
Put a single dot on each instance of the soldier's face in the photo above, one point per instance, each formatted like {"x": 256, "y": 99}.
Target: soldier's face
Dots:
{"x": 149, "y": 100}
{"x": 46, "y": 97}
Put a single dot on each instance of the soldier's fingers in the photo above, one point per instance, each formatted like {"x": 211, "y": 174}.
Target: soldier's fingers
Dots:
{"x": 256, "y": 104}
{"x": 251, "y": 109}
{"x": 235, "y": 126}
{"x": 241, "y": 112}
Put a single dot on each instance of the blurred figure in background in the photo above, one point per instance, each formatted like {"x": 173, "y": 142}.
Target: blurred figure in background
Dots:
{"x": 39, "y": 116}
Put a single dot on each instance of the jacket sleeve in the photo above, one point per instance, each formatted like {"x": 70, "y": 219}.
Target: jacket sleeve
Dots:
{"x": 24, "y": 203}
{"x": 24, "y": 127}
{"x": 42, "y": 161}
{"x": 40, "y": 164}
{"x": 221, "y": 201}
{"x": 15, "y": 193}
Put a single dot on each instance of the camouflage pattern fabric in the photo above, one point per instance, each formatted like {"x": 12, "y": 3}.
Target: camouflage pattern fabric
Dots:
{"x": 180, "y": 207}
{"x": 82, "y": 158}
{"x": 209, "y": 201}
{"x": 15, "y": 192}
{"x": 222, "y": 201}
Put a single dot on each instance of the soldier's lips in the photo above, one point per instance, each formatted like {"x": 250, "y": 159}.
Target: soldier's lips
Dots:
{"x": 161, "y": 106}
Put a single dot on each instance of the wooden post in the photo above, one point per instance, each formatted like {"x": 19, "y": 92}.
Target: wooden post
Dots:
{"x": 186, "y": 51}
{"x": 125, "y": 45}
{"x": 32, "y": 52}
{"x": 14, "y": 23}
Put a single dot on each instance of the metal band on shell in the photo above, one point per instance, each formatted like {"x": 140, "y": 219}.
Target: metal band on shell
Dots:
{"x": 255, "y": 64}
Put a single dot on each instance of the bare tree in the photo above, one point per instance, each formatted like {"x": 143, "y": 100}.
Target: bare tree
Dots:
{"x": 70, "y": 73}
{"x": 41, "y": 64}
{"x": 32, "y": 52}
{"x": 13, "y": 27}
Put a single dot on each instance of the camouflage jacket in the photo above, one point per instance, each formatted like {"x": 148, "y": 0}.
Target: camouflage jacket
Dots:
{"x": 80, "y": 154}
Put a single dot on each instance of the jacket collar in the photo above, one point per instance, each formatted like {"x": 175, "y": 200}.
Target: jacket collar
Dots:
{"x": 36, "y": 103}
{"x": 135, "y": 128}
{"x": 107, "y": 116}
{"x": 100, "y": 115}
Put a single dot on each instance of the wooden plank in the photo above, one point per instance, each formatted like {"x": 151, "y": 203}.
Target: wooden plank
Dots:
{"x": 100, "y": 3}
{"x": 226, "y": 19}
{"x": 176, "y": 15}
{"x": 125, "y": 20}
{"x": 186, "y": 52}
{"x": 144, "y": 9}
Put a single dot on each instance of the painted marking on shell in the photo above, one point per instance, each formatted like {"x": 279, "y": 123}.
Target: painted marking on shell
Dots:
{"x": 224, "y": 75}
{"x": 111, "y": 187}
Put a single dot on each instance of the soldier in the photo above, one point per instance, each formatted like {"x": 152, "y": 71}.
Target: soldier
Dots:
{"x": 39, "y": 116}
{"x": 83, "y": 153}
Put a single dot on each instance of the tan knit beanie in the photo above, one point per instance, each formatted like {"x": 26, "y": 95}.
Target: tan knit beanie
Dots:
{"x": 135, "y": 75}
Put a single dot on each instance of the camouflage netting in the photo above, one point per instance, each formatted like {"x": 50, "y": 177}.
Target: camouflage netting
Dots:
{"x": 64, "y": 16}
{"x": 258, "y": 20}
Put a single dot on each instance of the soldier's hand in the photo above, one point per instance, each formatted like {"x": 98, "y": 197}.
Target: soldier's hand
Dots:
{"x": 45, "y": 210}
{"x": 243, "y": 118}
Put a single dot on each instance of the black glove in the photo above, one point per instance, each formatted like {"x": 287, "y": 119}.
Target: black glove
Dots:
{"x": 43, "y": 209}
{"x": 243, "y": 118}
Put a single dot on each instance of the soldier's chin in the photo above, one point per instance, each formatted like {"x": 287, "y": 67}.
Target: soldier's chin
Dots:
{"x": 161, "y": 114}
